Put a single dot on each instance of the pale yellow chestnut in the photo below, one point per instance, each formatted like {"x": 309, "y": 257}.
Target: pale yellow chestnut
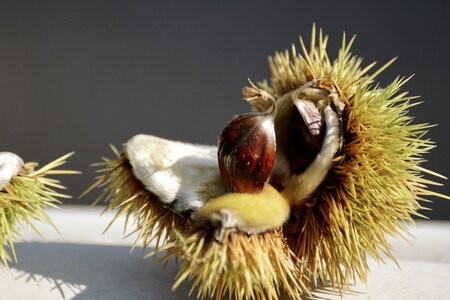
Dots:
{"x": 247, "y": 212}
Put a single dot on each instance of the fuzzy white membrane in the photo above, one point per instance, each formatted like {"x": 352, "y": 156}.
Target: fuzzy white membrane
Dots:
{"x": 10, "y": 165}
{"x": 180, "y": 174}
{"x": 300, "y": 187}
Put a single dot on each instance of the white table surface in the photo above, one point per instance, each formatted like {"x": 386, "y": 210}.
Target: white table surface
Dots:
{"x": 83, "y": 263}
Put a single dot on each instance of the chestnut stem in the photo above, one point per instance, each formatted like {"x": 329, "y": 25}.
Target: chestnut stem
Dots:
{"x": 260, "y": 99}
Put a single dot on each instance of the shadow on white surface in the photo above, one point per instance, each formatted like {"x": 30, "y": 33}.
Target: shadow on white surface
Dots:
{"x": 326, "y": 293}
{"x": 77, "y": 271}
{"x": 82, "y": 263}
{"x": 74, "y": 271}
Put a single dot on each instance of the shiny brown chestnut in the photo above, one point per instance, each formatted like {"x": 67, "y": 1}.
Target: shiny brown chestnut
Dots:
{"x": 246, "y": 150}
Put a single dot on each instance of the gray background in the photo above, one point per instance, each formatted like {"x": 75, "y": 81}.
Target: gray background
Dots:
{"x": 79, "y": 75}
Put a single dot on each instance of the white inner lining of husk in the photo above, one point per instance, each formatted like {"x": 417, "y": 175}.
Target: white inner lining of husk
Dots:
{"x": 10, "y": 165}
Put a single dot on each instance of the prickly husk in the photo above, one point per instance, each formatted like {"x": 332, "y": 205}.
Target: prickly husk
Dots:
{"x": 122, "y": 191}
{"x": 374, "y": 188}
{"x": 377, "y": 181}
{"x": 258, "y": 266}
{"x": 23, "y": 199}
